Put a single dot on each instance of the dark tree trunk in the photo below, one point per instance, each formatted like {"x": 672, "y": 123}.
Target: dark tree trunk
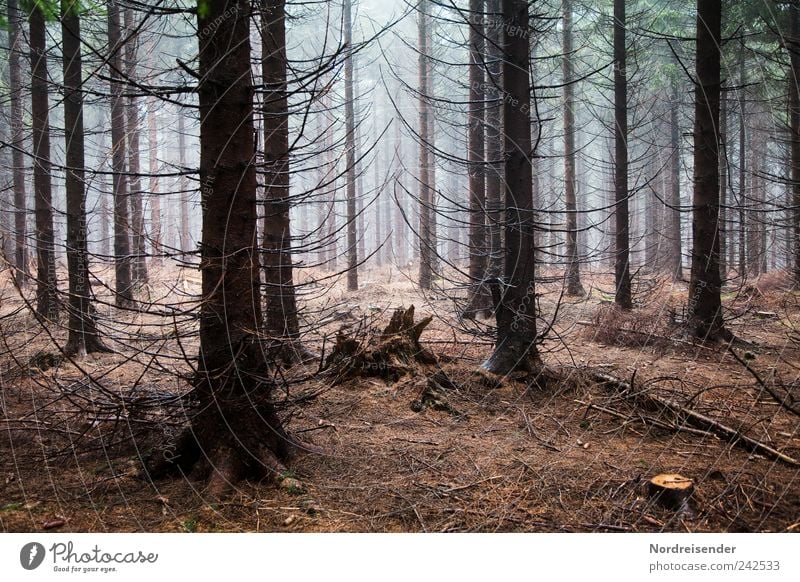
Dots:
{"x": 135, "y": 195}
{"x": 516, "y": 292}
{"x": 153, "y": 186}
{"x": 350, "y": 146}
{"x": 674, "y": 231}
{"x": 574, "y": 286}
{"x": 479, "y": 299}
{"x": 622, "y": 275}
{"x": 705, "y": 306}
{"x": 236, "y": 432}
{"x": 122, "y": 244}
{"x": 401, "y": 213}
{"x": 426, "y": 242}
{"x": 723, "y": 186}
{"x": 18, "y": 140}
{"x": 83, "y": 336}
{"x": 281, "y": 307}
{"x": 794, "y": 128}
{"x": 46, "y": 289}
{"x": 186, "y": 234}
{"x": 494, "y": 139}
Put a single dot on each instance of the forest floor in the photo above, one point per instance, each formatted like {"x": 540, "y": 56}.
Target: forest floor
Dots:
{"x": 573, "y": 455}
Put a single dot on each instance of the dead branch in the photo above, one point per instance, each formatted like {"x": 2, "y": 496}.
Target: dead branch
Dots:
{"x": 693, "y": 418}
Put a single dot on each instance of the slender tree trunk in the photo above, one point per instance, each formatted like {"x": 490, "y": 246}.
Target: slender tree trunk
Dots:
{"x": 122, "y": 245}
{"x": 281, "y": 309}
{"x": 622, "y": 276}
{"x": 350, "y": 145}
{"x": 18, "y": 141}
{"x": 426, "y": 249}
{"x": 674, "y": 210}
{"x": 794, "y": 129}
{"x": 494, "y": 139}
{"x": 401, "y": 213}
{"x": 723, "y": 185}
{"x": 186, "y": 234}
{"x": 574, "y": 286}
{"x": 516, "y": 294}
{"x": 479, "y": 299}
{"x": 83, "y": 337}
{"x": 153, "y": 187}
{"x": 46, "y": 285}
{"x": 743, "y": 196}
{"x": 135, "y": 194}
{"x": 705, "y": 306}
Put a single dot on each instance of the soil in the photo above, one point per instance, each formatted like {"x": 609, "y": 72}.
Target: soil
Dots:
{"x": 486, "y": 454}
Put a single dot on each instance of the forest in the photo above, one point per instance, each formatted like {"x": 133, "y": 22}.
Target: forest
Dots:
{"x": 400, "y": 266}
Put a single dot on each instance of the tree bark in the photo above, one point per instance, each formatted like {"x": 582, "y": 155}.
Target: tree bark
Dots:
{"x": 46, "y": 284}
{"x": 705, "y": 305}
{"x": 479, "y": 300}
{"x": 153, "y": 186}
{"x": 135, "y": 194}
{"x": 574, "y": 286}
{"x": 622, "y": 276}
{"x": 426, "y": 242}
{"x": 350, "y": 146}
{"x": 515, "y": 294}
{"x": 494, "y": 140}
{"x": 186, "y": 234}
{"x": 281, "y": 307}
{"x": 83, "y": 337}
{"x": 794, "y": 129}
{"x": 742, "y": 265}
{"x": 18, "y": 141}
{"x": 723, "y": 186}
{"x": 674, "y": 211}
{"x": 236, "y": 433}
{"x": 122, "y": 245}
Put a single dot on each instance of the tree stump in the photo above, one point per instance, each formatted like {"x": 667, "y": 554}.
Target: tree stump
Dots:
{"x": 670, "y": 490}
{"x": 388, "y": 355}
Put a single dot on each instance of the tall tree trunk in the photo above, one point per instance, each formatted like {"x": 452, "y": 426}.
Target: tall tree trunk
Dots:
{"x": 794, "y": 129}
{"x": 494, "y": 139}
{"x": 153, "y": 186}
{"x": 705, "y": 305}
{"x": 622, "y": 276}
{"x": 186, "y": 234}
{"x": 236, "y": 432}
{"x": 350, "y": 146}
{"x": 743, "y": 196}
{"x": 723, "y": 186}
{"x": 516, "y": 293}
{"x": 18, "y": 141}
{"x": 401, "y": 213}
{"x": 83, "y": 337}
{"x": 46, "y": 289}
{"x": 479, "y": 299}
{"x": 281, "y": 308}
{"x": 674, "y": 211}
{"x": 135, "y": 195}
{"x": 122, "y": 245}
{"x": 574, "y": 286}
{"x": 425, "y": 195}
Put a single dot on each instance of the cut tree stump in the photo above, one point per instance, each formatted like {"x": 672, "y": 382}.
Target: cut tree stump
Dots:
{"x": 670, "y": 490}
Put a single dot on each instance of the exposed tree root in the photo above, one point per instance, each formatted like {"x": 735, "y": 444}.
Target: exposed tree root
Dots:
{"x": 388, "y": 355}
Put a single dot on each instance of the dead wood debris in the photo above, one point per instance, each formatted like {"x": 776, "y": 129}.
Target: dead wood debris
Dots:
{"x": 682, "y": 415}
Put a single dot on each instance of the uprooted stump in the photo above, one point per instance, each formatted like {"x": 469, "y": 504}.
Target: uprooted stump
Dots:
{"x": 388, "y": 355}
